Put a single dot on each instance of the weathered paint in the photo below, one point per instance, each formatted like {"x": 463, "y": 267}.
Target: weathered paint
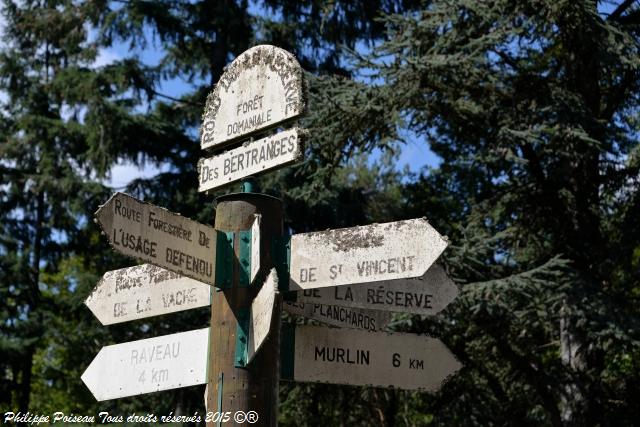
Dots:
{"x": 252, "y": 158}
{"x": 144, "y": 291}
{"x": 261, "y": 318}
{"x": 261, "y": 88}
{"x": 378, "y": 359}
{"x": 371, "y": 253}
{"x": 336, "y": 315}
{"x": 426, "y": 295}
{"x": 155, "y": 235}
{"x": 149, "y": 365}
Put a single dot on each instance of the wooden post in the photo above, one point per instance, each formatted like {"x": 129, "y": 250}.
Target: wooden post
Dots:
{"x": 254, "y": 388}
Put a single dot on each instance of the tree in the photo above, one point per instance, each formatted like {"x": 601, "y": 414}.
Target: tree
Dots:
{"x": 532, "y": 107}
{"x": 95, "y": 116}
{"x": 64, "y": 124}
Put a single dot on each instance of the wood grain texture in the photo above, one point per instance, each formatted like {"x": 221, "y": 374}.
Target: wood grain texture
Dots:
{"x": 254, "y": 388}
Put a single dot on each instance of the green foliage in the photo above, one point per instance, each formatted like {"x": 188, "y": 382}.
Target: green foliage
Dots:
{"x": 532, "y": 107}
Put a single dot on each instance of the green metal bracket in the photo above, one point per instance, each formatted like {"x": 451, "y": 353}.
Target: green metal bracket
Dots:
{"x": 245, "y": 258}
{"x": 242, "y": 339}
{"x": 281, "y": 252}
{"x": 224, "y": 259}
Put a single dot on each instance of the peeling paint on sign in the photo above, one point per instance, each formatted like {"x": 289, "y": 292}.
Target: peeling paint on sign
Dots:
{"x": 261, "y": 319}
{"x": 370, "y": 253}
{"x": 261, "y": 88}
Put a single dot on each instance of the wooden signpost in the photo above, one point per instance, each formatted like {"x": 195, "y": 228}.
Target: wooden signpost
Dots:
{"x": 153, "y": 234}
{"x": 350, "y": 277}
{"x": 426, "y": 295}
{"x": 145, "y": 366}
{"x": 336, "y": 315}
{"x": 370, "y": 253}
{"x": 144, "y": 291}
{"x": 262, "y": 89}
{"x": 353, "y": 357}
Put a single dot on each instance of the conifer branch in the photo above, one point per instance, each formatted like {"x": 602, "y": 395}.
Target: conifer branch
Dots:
{"x": 616, "y": 14}
{"x": 182, "y": 101}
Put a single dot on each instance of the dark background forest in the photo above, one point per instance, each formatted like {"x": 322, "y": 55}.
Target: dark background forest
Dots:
{"x": 531, "y": 107}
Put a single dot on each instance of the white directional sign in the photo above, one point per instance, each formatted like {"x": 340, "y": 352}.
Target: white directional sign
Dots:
{"x": 155, "y": 235}
{"x": 424, "y": 295}
{"x": 145, "y": 366}
{"x": 259, "y": 89}
{"x": 252, "y": 158}
{"x": 255, "y": 248}
{"x": 144, "y": 291}
{"x": 262, "y": 311}
{"x": 371, "y": 253}
{"x": 379, "y": 359}
{"x": 346, "y": 317}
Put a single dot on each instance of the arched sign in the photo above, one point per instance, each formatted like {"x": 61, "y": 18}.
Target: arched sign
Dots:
{"x": 259, "y": 89}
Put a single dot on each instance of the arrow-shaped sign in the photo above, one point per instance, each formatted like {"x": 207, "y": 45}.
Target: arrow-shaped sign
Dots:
{"x": 426, "y": 295}
{"x": 153, "y": 234}
{"x": 354, "y": 357}
{"x": 346, "y": 317}
{"x": 261, "y": 319}
{"x": 144, "y": 291}
{"x": 145, "y": 366}
{"x": 371, "y": 253}
{"x": 252, "y": 158}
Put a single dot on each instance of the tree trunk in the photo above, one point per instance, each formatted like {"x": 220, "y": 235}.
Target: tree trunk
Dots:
{"x": 391, "y": 411}
{"x": 25, "y": 381}
{"x": 572, "y": 353}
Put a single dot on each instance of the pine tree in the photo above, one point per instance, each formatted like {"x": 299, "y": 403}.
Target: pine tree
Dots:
{"x": 65, "y": 122}
{"x": 532, "y": 107}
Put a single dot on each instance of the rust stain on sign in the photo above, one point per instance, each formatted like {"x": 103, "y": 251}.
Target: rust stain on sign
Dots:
{"x": 144, "y": 291}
